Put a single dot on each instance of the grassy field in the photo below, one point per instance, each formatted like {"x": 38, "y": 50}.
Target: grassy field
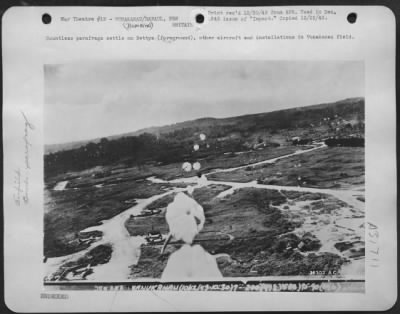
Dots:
{"x": 121, "y": 173}
{"x": 232, "y": 159}
{"x": 252, "y": 236}
{"x": 100, "y": 193}
{"x": 336, "y": 167}
{"x": 103, "y": 192}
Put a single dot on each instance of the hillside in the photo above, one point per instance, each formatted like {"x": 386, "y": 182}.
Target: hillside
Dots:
{"x": 349, "y": 109}
{"x": 174, "y": 143}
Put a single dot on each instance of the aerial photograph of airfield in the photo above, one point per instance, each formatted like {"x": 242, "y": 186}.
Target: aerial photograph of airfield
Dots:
{"x": 282, "y": 187}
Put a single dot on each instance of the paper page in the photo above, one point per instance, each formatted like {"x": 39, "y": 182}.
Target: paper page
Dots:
{"x": 199, "y": 158}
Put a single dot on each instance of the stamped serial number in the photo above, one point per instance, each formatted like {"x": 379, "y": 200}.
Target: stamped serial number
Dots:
{"x": 324, "y": 272}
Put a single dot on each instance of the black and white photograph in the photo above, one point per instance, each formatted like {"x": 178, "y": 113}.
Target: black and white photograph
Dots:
{"x": 193, "y": 170}
{"x": 187, "y": 158}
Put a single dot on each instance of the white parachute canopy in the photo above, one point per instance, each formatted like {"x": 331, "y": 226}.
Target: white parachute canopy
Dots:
{"x": 187, "y": 166}
{"x": 196, "y": 166}
{"x": 185, "y": 218}
{"x": 181, "y": 218}
{"x": 191, "y": 262}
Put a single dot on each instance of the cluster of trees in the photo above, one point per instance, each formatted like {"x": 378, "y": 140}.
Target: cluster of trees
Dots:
{"x": 304, "y": 141}
{"x": 351, "y": 141}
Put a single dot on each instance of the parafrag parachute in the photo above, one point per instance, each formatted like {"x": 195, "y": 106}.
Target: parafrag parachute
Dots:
{"x": 185, "y": 218}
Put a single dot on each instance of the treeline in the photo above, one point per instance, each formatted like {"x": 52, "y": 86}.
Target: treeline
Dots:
{"x": 352, "y": 142}
{"x": 135, "y": 150}
{"x": 299, "y": 117}
{"x": 132, "y": 150}
{"x": 302, "y": 141}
